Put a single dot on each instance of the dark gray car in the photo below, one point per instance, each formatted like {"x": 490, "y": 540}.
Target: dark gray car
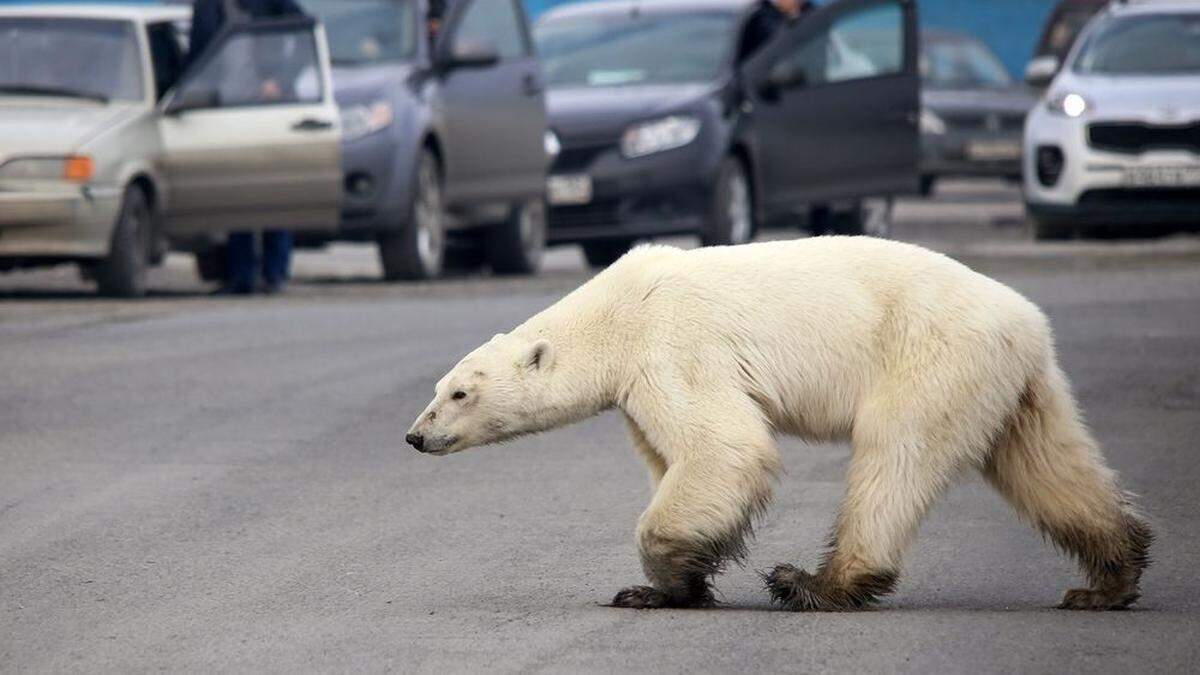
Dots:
{"x": 972, "y": 111}
{"x": 664, "y": 131}
{"x": 444, "y": 135}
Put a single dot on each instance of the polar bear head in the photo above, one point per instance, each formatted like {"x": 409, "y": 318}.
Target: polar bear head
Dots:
{"x": 495, "y": 393}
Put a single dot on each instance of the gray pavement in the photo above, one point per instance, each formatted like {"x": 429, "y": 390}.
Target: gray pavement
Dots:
{"x": 199, "y": 484}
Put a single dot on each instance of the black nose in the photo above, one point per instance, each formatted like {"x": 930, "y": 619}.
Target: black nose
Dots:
{"x": 415, "y": 440}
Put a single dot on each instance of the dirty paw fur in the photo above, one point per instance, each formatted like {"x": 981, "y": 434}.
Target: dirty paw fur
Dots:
{"x": 647, "y": 597}
{"x": 797, "y": 590}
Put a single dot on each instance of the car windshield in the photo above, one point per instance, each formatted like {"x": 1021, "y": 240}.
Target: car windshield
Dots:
{"x": 80, "y": 58}
{"x": 961, "y": 64}
{"x": 1062, "y": 32}
{"x": 363, "y": 32}
{"x": 1158, "y": 44}
{"x": 634, "y": 48}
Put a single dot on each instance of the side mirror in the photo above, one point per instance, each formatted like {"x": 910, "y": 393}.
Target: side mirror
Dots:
{"x": 469, "y": 53}
{"x": 191, "y": 98}
{"x": 1041, "y": 70}
{"x": 782, "y": 76}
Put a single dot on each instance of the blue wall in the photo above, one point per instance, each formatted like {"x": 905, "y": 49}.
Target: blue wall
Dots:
{"x": 1011, "y": 27}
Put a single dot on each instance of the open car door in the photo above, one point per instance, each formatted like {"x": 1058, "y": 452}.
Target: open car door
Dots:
{"x": 835, "y": 104}
{"x": 251, "y": 136}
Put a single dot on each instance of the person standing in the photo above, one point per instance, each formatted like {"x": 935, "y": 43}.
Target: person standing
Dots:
{"x": 767, "y": 19}
{"x": 242, "y": 261}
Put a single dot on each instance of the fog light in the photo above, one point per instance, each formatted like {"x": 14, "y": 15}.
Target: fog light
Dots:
{"x": 1049, "y": 163}
{"x": 359, "y": 184}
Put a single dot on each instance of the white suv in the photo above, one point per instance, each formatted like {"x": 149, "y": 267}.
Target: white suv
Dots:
{"x": 1115, "y": 143}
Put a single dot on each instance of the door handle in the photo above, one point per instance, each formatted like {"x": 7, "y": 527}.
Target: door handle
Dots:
{"x": 312, "y": 124}
{"x": 531, "y": 85}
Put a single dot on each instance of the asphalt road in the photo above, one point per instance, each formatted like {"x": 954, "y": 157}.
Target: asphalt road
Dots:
{"x": 197, "y": 484}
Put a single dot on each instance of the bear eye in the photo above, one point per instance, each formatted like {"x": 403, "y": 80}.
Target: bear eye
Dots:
{"x": 459, "y": 395}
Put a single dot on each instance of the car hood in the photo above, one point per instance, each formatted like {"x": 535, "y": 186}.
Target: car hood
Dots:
{"x": 1154, "y": 99}
{"x": 37, "y": 126}
{"x": 1004, "y": 100}
{"x": 594, "y": 113}
{"x": 363, "y": 84}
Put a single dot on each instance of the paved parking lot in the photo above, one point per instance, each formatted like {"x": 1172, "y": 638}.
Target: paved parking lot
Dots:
{"x": 196, "y": 483}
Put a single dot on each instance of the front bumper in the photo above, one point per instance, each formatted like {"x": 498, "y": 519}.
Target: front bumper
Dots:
{"x": 41, "y": 220}
{"x": 375, "y": 194}
{"x": 971, "y": 153}
{"x": 668, "y": 193}
{"x": 1092, "y": 187}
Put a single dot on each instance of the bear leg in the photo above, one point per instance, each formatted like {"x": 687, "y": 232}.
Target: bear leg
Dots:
{"x": 1050, "y": 470}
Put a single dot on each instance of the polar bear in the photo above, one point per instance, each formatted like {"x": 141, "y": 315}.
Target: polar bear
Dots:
{"x": 928, "y": 369}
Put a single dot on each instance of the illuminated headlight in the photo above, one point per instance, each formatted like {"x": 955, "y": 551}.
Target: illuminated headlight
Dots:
{"x": 75, "y": 169}
{"x": 551, "y": 144}
{"x": 1071, "y": 105}
{"x": 364, "y": 120}
{"x": 667, "y": 133}
{"x": 931, "y": 123}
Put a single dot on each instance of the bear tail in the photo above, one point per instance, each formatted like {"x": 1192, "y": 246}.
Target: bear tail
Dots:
{"x": 1050, "y": 469}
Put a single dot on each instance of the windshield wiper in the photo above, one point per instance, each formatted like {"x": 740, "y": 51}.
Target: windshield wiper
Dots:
{"x": 44, "y": 90}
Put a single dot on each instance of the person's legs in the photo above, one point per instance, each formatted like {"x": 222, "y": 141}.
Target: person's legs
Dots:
{"x": 277, "y": 258}
{"x": 241, "y": 262}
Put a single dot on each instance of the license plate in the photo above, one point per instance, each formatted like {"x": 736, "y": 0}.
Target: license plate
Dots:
{"x": 1162, "y": 176}
{"x": 565, "y": 190}
{"x": 990, "y": 151}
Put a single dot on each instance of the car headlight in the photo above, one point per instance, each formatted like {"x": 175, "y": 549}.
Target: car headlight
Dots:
{"x": 77, "y": 169}
{"x": 1071, "y": 105}
{"x": 932, "y": 123}
{"x": 366, "y": 119}
{"x": 667, "y": 133}
{"x": 551, "y": 144}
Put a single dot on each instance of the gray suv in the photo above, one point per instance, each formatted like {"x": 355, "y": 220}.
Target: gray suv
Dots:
{"x": 445, "y": 136}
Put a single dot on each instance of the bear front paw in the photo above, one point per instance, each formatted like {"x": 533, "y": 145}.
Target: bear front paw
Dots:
{"x": 647, "y": 597}
{"x": 799, "y": 591}
{"x": 1088, "y": 599}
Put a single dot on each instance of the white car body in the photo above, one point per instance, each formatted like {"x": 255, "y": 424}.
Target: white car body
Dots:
{"x": 1099, "y": 185}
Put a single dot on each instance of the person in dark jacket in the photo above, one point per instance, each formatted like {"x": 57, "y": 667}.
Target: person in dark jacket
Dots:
{"x": 767, "y": 19}
{"x": 209, "y": 17}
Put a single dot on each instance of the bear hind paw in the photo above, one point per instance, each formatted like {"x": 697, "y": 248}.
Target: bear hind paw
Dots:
{"x": 647, "y": 597}
{"x": 1089, "y": 599}
{"x": 797, "y": 590}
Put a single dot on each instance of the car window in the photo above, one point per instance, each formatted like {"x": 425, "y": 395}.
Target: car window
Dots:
{"x": 166, "y": 56}
{"x": 950, "y": 64}
{"x": 1062, "y": 31}
{"x": 363, "y": 32}
{"x": 1156, "y": 44}
{"x": 70, "y": 57}
{"x": 496, "y": 21}
{"x": 257, "y": 67}
{"x": 865, "y": 43}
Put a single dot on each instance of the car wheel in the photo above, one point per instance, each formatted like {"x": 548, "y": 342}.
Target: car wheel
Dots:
{"x": 516, "y": 245}
{"x": 1051, "y": 230}
{"x": 731, "y": 220}
{"x": 417, "y": 249}
{"x": 123, "y": 273}
{"x": 211, "y": 263}
{"x": 603, "y": 253}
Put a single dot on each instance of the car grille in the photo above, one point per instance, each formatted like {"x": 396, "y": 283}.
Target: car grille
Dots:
{"x": 1133, "y": 137}
{"x": 579, "y": 158}
{"x": 982, "y": 121}
{"x": 596, "y": 214}
{"x": 1142, "y": 197}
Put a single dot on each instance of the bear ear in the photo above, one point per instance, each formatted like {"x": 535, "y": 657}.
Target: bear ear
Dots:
{"x": 541, "y": 355}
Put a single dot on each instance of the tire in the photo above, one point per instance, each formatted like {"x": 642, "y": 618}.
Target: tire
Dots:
{"x": 417, "y": 250}
{"x": 600, "y": 254}
{"x": 123, "y": 273}
{"x": 464, "y": 255}
{"x": 211, "y": 263}
{"x": 516, "y": 246}
{"x": 731, "y": 220}
{"x": 1051, "y": 230}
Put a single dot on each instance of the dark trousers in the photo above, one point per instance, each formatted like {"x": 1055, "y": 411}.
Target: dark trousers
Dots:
{"x": 244, "y": 259}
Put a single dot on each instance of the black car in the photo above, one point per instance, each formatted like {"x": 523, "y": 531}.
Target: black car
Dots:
{"x": 972, "y": 111}
{"x": 444, "y": 137}
{"x": 664, "y": 132}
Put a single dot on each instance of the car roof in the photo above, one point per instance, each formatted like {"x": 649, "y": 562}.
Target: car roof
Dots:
{"x": 135, "y": 13}
{"x": 1154, "y": 7}
{"x": 584, "y": 9}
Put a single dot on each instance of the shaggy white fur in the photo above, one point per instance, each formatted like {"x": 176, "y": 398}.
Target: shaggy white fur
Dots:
{"x": 927, "y": 367}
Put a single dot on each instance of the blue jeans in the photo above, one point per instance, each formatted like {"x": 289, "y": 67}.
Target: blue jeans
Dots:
{"x": 243, "y": 259}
